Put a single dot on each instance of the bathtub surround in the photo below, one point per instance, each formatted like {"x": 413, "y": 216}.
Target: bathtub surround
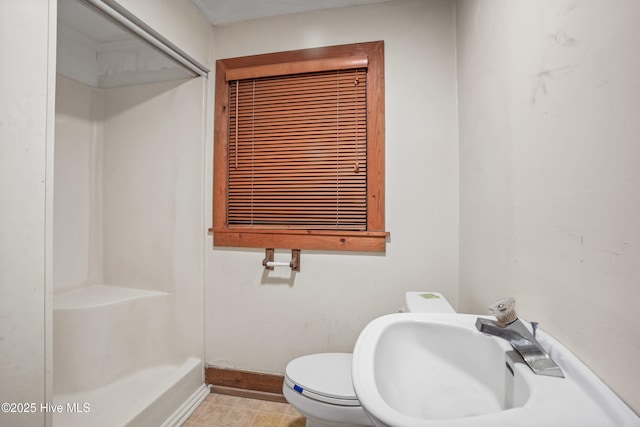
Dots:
{"x": 127, "y": 312}
{"x": 135, "y": 376}
{"x": 127, "y": 322}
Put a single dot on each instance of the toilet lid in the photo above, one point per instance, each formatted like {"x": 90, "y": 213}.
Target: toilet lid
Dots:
{"x": 325, "y": 377}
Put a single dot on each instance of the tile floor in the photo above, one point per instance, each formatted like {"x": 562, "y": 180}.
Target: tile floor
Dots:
{"x": 219, "y": 410}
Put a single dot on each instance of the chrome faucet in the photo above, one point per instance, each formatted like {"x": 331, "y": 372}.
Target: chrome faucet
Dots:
{"x": 507, "y": 326}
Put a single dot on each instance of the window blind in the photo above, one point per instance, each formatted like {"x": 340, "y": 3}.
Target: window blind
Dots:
{"x": 297, "y": 151}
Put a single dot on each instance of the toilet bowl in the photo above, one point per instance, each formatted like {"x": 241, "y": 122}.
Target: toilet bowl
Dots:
{"x": 319, "y": 385}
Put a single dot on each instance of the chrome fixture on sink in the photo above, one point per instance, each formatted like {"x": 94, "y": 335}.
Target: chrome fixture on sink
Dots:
{"x": 508, "y": 327}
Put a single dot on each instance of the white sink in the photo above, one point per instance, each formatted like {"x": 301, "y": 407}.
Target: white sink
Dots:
{"x": 438, "y": 370}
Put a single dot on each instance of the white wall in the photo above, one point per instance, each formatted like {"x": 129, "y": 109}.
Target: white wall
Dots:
{"x": 549, "y": 154}
{"x": 261, "y": 321}
{"x": 26, "y": 140}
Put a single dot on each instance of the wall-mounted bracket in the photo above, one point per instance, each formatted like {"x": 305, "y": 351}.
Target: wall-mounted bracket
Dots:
{"x": 268, "y": 258}
{"x": 269, "y": 263}
{"x": 295, "y": 260}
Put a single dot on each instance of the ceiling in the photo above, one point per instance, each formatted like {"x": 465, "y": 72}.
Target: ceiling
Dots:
{"x": 225, "y": 11}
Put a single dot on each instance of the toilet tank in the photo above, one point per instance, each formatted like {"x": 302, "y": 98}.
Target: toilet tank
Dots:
{"x": 426, "y": 302}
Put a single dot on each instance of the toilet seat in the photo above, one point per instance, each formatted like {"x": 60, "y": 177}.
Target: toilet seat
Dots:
{"x": 325, "y": 377}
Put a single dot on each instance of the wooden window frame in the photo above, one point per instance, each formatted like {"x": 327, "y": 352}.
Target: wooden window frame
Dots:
{"x": 292, "y": 62}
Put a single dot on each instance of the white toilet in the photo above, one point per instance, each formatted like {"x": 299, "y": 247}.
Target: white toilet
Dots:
{"x": 319, "y": 385}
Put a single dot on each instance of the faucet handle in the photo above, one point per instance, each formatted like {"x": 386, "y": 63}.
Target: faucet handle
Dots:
{"x": 505, "y": 311}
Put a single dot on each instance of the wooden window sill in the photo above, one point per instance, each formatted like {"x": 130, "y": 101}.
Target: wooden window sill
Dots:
{"x": 339, "y": 240}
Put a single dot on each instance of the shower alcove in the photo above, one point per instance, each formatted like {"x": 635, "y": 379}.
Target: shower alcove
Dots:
{"x": 127, "y": 242}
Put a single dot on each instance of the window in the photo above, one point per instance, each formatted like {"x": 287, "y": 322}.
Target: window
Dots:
{"x": 299, "y": 149}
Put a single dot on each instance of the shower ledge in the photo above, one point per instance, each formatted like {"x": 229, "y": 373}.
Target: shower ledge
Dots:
{"x": 99, "y": 295}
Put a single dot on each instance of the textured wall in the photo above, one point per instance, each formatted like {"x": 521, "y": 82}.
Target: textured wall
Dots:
{"x": 261, "y": 321}
{"x": 549, "y": 96}
{"x": 26, "y": 141}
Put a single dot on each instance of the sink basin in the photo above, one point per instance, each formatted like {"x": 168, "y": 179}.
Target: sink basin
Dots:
{"x": 415, "y": 369}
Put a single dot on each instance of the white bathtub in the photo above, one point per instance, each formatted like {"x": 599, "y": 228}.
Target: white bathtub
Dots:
{"x": 116, "y": 361}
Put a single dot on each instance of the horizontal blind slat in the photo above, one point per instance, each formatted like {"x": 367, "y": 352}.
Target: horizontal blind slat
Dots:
{"x": 297, "y": 151}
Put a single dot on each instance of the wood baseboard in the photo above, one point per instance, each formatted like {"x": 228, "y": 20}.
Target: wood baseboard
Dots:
{"x": 249, "y": 384}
